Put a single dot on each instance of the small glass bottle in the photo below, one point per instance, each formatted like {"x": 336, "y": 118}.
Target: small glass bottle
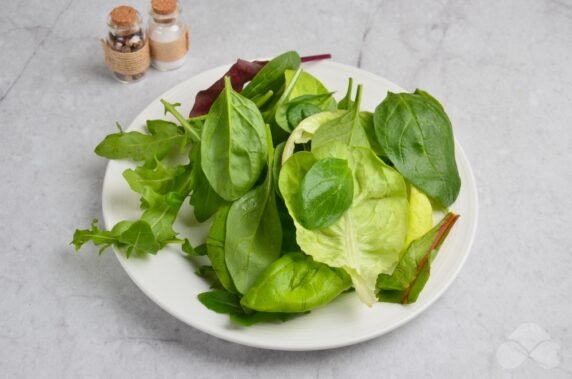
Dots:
{"x": 168, "y": 35}
{"x": 126, "y": 48}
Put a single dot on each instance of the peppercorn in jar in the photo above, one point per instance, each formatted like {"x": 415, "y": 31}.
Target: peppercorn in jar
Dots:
{"x": 126, "y": 48}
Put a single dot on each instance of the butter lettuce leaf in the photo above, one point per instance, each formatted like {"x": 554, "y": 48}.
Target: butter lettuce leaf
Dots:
{"x": 368, "y": 239}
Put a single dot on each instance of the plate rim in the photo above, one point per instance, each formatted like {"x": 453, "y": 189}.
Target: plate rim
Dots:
{"x": 314, "y": 346}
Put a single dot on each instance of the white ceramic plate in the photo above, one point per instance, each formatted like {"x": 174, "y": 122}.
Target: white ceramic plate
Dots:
{"x": 169, "y": 279}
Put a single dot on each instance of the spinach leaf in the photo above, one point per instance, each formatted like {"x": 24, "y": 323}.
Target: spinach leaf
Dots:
{"x": 233, "y": 144}
{"x": 163, "y": 137}
{"x": 224, "y": 302}
{"x": 368, "y": 239}
{"x": 204, "y": 199}
{"x": 301, "y": 87}
{"x": 326, "y": 192}
{"x": 412, "y": 272}
{"x": 254, "y": 233}
{"x": 295, "y": 283}
{"x": 209, "y": 274}
{"x": 346, "y": 129}
{"x": 221, "y": 301}
{"x": 288, "y": 228}
{"x": 366, "y": 121}
{"x": 290, "y": 113}
{"x": 415, "y": 133}
{"x": 271, "y": 76}
{"x": 215, "y": 248}
{"x": 347, "y": 103}
{"x": 249, "y": 319}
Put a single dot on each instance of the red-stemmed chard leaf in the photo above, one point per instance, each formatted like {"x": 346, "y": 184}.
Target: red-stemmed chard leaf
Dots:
{"x": 412, "y": 271}
{"x": 240, "y": 73}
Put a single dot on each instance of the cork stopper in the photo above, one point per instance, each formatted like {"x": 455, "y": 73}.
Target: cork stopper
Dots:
{"x": 124, "y": 15}
{"x": 164, "y": 7}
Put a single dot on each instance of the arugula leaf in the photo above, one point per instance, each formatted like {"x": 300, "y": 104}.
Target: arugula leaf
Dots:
{"x": 416, "y": 134}
{"x": 131, "y": 237}
{"x": 161, "y": 179}
{"x": 138, "y": 239}
{"x": 412, "y": 272}
{"x": 163, "y": 137}
{"x": 99, "y": 237}
{"x": 191, "y": 251}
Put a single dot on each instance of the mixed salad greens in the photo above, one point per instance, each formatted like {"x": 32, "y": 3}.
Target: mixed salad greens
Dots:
{"x": 309, "y": 197}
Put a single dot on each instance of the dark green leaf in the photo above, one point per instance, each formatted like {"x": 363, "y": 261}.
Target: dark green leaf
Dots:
{"x": 221, "y": 301}
{"x": 271, "y": 76}
{"x": 233, "y": 146}
{"x": 209, "y": 274}
{"x": 254, "y": 234}
{"x": 215, "y": 248}
{"x": 289, "y": 242}
{"x": 366, "y": 121}
{"x": 258, "y": 317}
{"x": 415, "y": 133}
{"x": 326, "y": 192}
{"x": 205, "y": 200}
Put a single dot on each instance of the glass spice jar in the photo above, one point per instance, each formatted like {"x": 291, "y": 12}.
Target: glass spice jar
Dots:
{"x": 168, "y": 35}
{"x": 126, "y": 48}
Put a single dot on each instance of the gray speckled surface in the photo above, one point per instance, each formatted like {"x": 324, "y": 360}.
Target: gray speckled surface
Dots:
{"x": 502, "y": 69}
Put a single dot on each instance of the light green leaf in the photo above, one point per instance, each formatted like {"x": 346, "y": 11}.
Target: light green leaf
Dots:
{"x": 295, "y": 283}
{"x": 368, "y": 239}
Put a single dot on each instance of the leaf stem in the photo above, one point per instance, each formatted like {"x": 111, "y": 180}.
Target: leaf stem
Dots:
{"x": 318, "y": 57}
{"x": 446, "y": 225}
{"x": 170, "y": 108}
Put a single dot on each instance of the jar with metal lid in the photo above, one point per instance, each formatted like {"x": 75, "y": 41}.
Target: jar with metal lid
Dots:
{"x": 168, "y": 35}
{"x": 126, "y": 47}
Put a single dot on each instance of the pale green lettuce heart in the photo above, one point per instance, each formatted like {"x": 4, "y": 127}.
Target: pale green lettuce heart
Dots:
{"x": 368, "y": 239}
{"x": 420, "y": 219}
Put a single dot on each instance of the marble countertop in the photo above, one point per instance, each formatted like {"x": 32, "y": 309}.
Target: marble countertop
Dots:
{"x": 501, "y": 69}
